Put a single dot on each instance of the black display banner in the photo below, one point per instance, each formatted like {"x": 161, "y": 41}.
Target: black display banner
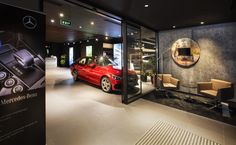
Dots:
{"x": 22, "y": 77}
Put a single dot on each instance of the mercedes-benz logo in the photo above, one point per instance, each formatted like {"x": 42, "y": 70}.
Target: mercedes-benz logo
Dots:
{"x": 29, "y": 22}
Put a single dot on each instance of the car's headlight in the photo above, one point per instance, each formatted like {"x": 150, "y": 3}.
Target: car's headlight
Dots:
{"x": 116, "y": 77}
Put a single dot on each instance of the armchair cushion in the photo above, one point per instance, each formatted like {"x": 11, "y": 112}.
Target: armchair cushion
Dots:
{"x": 169, "y": 85}
{"x": 210, "y": 93}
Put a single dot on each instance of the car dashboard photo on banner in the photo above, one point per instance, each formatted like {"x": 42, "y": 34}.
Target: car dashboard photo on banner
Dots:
{"x": 22, "y": 77}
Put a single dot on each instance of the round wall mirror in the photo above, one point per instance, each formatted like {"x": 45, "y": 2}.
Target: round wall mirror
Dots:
{"x": 185, "y": 52}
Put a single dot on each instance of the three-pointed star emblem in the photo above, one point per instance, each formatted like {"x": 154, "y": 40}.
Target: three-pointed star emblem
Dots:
{"x": 29, "y": 22}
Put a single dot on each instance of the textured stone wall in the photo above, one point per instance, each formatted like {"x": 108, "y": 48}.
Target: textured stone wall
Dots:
{"x": 218, "y": 53}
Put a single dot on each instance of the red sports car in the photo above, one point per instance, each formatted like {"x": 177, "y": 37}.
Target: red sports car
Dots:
{"x": 101, "y": 71}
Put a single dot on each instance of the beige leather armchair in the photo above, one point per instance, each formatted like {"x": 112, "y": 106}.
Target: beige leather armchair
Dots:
{"x": 166, "y": 81}
{"x": 216, "y": 89}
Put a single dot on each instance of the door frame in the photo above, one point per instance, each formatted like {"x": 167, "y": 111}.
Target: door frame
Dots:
{"x": 125, "y": 97}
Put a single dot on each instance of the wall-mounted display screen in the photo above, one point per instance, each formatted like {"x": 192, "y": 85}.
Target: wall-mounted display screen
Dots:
{"x": 89, "y": 50}
{"x": 185, "y": 52}
{"x": 107, "y": 45}
{"x": 117, "y": 55}
{"x": 71, "y": 55}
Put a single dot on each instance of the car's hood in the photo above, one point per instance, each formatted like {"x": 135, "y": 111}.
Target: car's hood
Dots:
{"x": 114, "y": 71}
{"x": 118, "y": 72}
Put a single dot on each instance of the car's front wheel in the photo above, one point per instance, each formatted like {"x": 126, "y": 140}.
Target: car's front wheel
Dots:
{"x": 75, "y": 75}
{"x": 106, "y": 84}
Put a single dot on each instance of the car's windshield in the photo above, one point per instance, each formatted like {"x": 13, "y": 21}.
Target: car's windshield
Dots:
{"x": 105, "y": 61}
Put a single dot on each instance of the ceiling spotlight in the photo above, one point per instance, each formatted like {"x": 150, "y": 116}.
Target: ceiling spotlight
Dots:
{"x": 146, "y": 6}
{"x": 92, "y": 23}
{"x": 87, "y": 40}
{"x": 73, "y": 42}
{"x": 202, "y": 23}
{"x": 96, "y": 39}
{"x": 80, "y": 42}
{"x": 80, "y": 27}
{"x": 61, "y": 15}
{"x": 68, "y": 43}
{"x": 131, "y": 33}
{"x": 106, "y": 38}
{"x": 52, "y": 21}
{"x": 174, "y": 27}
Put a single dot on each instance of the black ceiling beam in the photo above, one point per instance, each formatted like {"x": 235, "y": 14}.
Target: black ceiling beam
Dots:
{"x": 93, "y": 4}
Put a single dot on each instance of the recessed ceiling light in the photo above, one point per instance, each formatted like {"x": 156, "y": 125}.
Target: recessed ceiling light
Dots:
{"x": 96, "y": 39}
{"x": 202, "y": 23}
{"x": 174, "y": 27}
{"x": 87, "y": 40}
{"x": 131, "y": 33}
{"x": 73, "y": 42}
{"x": 80, "y": 27}
{"x": 61, "y": 15}
{"x": 52, "y": 21}
{"x": 92, "y": 23}
{"x": 68, "y": 43}
{"x": 146, "y": 6}
{"x": 106, "y": 38}
{"x": 80, "y": 42}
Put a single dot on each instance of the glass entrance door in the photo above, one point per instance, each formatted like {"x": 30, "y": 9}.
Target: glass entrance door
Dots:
{"x": 139, "y": 61}
{"x": 134, "y": 61}
{"x": 148, "y": 40}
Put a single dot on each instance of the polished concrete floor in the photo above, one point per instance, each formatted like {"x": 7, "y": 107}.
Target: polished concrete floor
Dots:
{"x": 81, "y": 114}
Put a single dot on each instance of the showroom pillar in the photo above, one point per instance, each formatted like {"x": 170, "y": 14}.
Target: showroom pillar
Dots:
{"x": 124, "y": 61}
